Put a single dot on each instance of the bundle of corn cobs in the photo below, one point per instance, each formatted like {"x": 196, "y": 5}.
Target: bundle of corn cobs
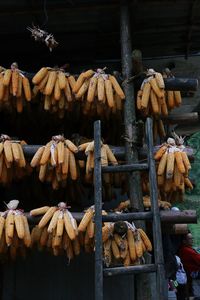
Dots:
{"x": 125, "y": 205}
{"x": 56, "y": 161}
{"x": 14, "y": 231}
{"x": 173, "y": 166}
{"x": 12, "y": 161}
{"x": 95, "y": 92}
{"x": 125, "y": 246}
{"x": 56, "y": 86}
{"x": 107, "y": 157}
{"x": 57, "y": 230}
{"x": 122, "y": 242}
{"x": 153, "y": 100}
{"x": 14, "y": 88}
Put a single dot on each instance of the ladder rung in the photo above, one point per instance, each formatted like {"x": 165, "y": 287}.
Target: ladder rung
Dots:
{"x": 148, "y": 268}
{"x": 114, "y": 217}
{"x": 125, "y": 168}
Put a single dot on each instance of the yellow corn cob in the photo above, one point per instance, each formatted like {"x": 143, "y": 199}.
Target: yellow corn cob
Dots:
{"x": 72, "y": 82}
{"x": 8, "y": 151}
{"x": 15, "y": 76}
{"x": 72, "y": 166}
{"x": 159, "y": 92}
{"x": 159, "y": 80}
{"x": 127, "y": 260}
{"x": 89, "y": 148}
{"x": 53, "y": 222}
{"x": 170, "y": 99}
{"x": 57, "y": 91}
{"x": 162, "y": 164}
{"x": 61, "y": 80}
{"x": 90, "y": 229}
{"x": 65, "y": 164}
{"x": 47, "y": 216}
{"x": 177, "y": 98}
{"x": 145, "y": 95}
{"x": 131, "y": 245}
{"x": 68, "y": 226}
{"x": 83, "y": 89}
{"x": 67, "y": 91}
{"x": 188, "y": 183}
{"x": 116, "y": 87}
{"x": 2, "y": 223}
{"x": 9, "y": 226}
{"x": 37, "y": 157}
{"x": 27, "y": 235}
{"x": 145, "y": 239}
{"x": 115, "y": 249}
{"x": 107, "y": 231}
{"x": 46, "y": 154}
{"x": 61, "y": 152}
{"x": 27, "y": 88}
{"x": 170, "y": 165}
{"x": 104, "y": 157}
{"x": 22, "y": 161}
{"x": 92, "y": 89}
{"x": 88, "y": 74}
{"x": 19, "y": 90}
{"x": 138, "y": 248}
{"x": 15, "y": 152}
{"x": 186, "y": 161}
{"x": 71, "y": 146}
{"x": 60, "y": 226}
{"x": 100, "y": 89}
{"x": 90, "y": 163}
{"x": 109, "y": 93}
{"x": 110, "y": 155}
{"x": 154, "y": 102}
{"x": 19, "y": 225}
{"x": 78, "y": 83}
{"x": 42, "y": 172}
{"x": 86, "y": 219}
{"x": 179, "y": 162}
{"x": 40, "y": 75}
{"x": 7, "y": 77}
{"x": 50, "y": 83}
{"x": 39, "y": 211}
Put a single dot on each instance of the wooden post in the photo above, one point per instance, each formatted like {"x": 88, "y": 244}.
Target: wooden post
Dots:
{"x": 130, "y": 131}
{"x": 129, "y": 108}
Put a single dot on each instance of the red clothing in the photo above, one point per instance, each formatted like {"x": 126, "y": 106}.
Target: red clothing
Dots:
{"x": 190, "y": 259}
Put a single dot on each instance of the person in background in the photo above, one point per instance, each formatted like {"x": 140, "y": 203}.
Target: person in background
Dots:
{"x": 191, "y": 262}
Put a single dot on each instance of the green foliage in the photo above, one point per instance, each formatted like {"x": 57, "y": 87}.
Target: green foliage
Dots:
{"x": 194, "y": 143}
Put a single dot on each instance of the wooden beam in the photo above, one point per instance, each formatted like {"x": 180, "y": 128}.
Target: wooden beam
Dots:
{"x": 167, "y": 216}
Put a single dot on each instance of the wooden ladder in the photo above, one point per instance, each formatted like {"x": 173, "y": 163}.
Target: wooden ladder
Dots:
{"x": 154, "y": 215}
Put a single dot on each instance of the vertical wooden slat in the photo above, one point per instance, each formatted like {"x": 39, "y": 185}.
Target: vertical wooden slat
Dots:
{"x": 157, "y": 235}
{"x": 129, "y": 107}
{"x": 98, "y": 214}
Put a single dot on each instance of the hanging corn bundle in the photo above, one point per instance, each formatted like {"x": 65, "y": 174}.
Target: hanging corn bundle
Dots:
{"x": 173, "y": 98}
{"x": 57, "y": 230}
{"x": 100, "y": 90}
{"x": 12, "y": 161}
{"x": 153, "y": 100}
{"x": 161, "y": 204}
{"x": 107, "y": 157}
{"x": 14, "y": 88}
{"x": 56, "y": 161}
{"x": 14, "y": 231}
{"x": 173, "y": 166}
{"x": 125, "y": 248}
{"x": 56, "y": 85}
